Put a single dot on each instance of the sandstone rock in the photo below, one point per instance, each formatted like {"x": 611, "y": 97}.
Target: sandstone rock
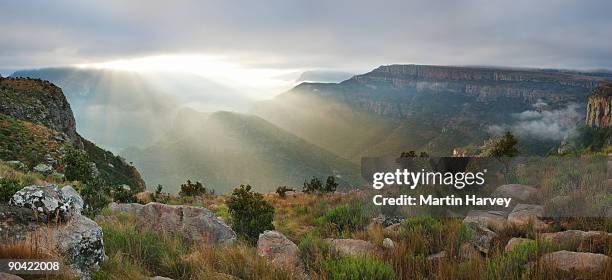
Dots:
{"x": 352, "y": 247}
{"x": 518, "y": 193}
{"x": 73, "y": 198}
{"x": 279, "y": 250}
{"x": 388, "y": 243}
{"x": 515, "y": 242}
{"x": 6, "y": 276}
{"x": 195, "y": 223}
{"x": 47, "y": 201}
{"x": 495, "y": 220}
{"x": 523, "y": 214}
{"x": 579, "y": 240}
{"x": 575, "y": 262}
{"x": 43, "y": 168}
{"x": 129, "y": 208}
{"x": 437, "y": 256}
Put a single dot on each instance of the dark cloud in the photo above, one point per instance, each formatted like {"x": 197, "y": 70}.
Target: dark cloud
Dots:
{"x": 323, "y": 34}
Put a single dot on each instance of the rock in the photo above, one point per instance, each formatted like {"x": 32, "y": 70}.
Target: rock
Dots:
{"x": 393, "y": 230}
{"x": 43, "y": 168}
{"x": 579, "y": 240}
{"x": 437, "y": 256}
{"x": 73, "y": 198}
{"x": 280, "y": 251}
{"x": 388, "y": 243}
{"x": 6, "y": 276}
{"x": 18, "y": 165}
{"x": 47, "y": 201}
{"x": 524, "y": 214}
{"x": 518, "y": 193}
{"x": 352, "y": 247}
{"x": 129, "y": 208}
{"x": 575, "y": 262}
{"x": 481, "y": 237}
{"x": 386, "y": 221}
{"x": 495, "y": 220}
{"x": 194, "y": 223}
{"x": 514, "y": 242}
{"x": 79, "y": 240}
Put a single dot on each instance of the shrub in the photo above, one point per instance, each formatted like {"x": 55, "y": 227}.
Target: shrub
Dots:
{"x": 251, "y": 214}
{"x": 313, "y": 186}
{"x": 354, "y": 268}
{"x": 123, "y": 195}
{"x": 314, "y": 251}
{"x": 77, "y": 166}
{"x": 346, "y": 218}
{"x": 96, "y": 195}
{"x": 281, "y": 191}
{"x": 8, "y": 187}
{"x": 193, "y": 189}
{"x": 511, "y": 265}
{"x": 330, "y": 185}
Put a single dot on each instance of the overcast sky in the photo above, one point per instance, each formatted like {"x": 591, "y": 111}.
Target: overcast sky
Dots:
{"x": 345, "y": 35}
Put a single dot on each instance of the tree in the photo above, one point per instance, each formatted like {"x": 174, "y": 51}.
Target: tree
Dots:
{"x": 313, "y": 186}
{"x": 282, "y": 190}
{"x": 330, "y": 185}
{"x": 251, "y": 214}
{"x": 193, "y": 189}
{"x": 77, "y": 166}
{"x": 504, "y": 149}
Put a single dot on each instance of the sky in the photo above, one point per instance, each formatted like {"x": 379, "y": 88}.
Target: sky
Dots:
{"x": 280, "y": 37}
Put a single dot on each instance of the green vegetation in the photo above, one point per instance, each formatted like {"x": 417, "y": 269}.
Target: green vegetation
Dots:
{"x": 8, "y": 187}
{"x": 315, "y": 185}
{"x": 346, "y": 218}
{"x": 77, "y": 166}
{"x": 193, "y": 189}
{"x": 282, "y": 190}
{"x": 251, "y": 214}
{"x": 357, "y": 268}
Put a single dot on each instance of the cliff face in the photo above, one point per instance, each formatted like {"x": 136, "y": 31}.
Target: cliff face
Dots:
{"x": 484, "y": 83}
{"x": 37, "y": 125}
{"x": 39, "y": 102}
{"x": 599, "y": 107}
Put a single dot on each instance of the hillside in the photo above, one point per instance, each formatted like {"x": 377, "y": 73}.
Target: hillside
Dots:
{"x": 433, "y": 108}
{"x": 37, "y": 127}
{"x": 225, "y": 149}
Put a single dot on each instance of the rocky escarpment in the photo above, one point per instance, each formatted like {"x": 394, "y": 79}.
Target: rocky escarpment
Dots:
{"x": 599, "y": 107}
{"x": 39, "y": 102}
{"x": 37, "y": 128}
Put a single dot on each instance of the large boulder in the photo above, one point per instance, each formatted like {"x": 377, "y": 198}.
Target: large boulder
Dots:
{"x": 129, "y": 208}
{"x": 518, "y": 193}
{"x": 579, "y": 240}
{"x": 48, "y": 202}
{"x": 194, "y": 223}
{"x": 279, "y": 250}
{"x": 525, "y": 214}
{"x": 575, "y": 262}
{"x": 73, "y": 198}
{"x": 495, "y": 220}
{"x": 80, "y": 242}
{"x": 352, "y": 247}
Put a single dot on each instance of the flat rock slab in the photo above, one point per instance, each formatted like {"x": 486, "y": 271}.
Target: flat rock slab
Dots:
{"x": 575, "y": 262}
{"x": 352, "y": 247}
{"x": 524, "y": 214}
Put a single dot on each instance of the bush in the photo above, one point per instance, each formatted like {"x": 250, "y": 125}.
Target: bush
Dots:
{"x": 193, "y": 189}
{"x": 346, "y": 218}
{"x": 281, "y": 191}
{"x": 314, "y": 251}
{"x": 512, "y": 265}
{"x": 353, "y": 268}
{"x": 251, "y": 214}
{"x": 96, "y": 195}
{"x": 315, "y": 185}
{"x": 123, "y": 195}
{"x": 77, "y": 166}
{"x": 330, "y": 185}
{"x": 8, "y": 187}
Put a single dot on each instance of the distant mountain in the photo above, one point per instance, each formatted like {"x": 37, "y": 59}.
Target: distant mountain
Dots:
{"x": 430, "y": 108}
{"x": 225, "y": 149}
{"x": 117, "y": 109}
{"x": 37, "y": 126}
{"x": 324, "y": 76}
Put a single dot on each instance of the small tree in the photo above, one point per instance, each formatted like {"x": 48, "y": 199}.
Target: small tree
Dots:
{"x": 313, "y": 186}
{"x": 251, "y": 214}
{"x": 282, "y": 190}
{"x": 330, "y": 185}
{"x": 8, "y": 187}
{"x": 505, "y": 148}
{"x": 77, "y": 166}
{"x": 96, "y": 195}
{"x": 192, "y": 189}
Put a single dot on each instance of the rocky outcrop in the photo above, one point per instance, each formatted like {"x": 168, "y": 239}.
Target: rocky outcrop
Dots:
{"x": 194, "y": 223}
{"x": 76, "y": 238}
{"x": 280, "y": 251}
{"x": 129, "y": 208}
{"x": 574, "y": 262}
{"x": 352, "y": 247}
{"x": 39, "y": 102}
{"x": 599, "y": 107}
